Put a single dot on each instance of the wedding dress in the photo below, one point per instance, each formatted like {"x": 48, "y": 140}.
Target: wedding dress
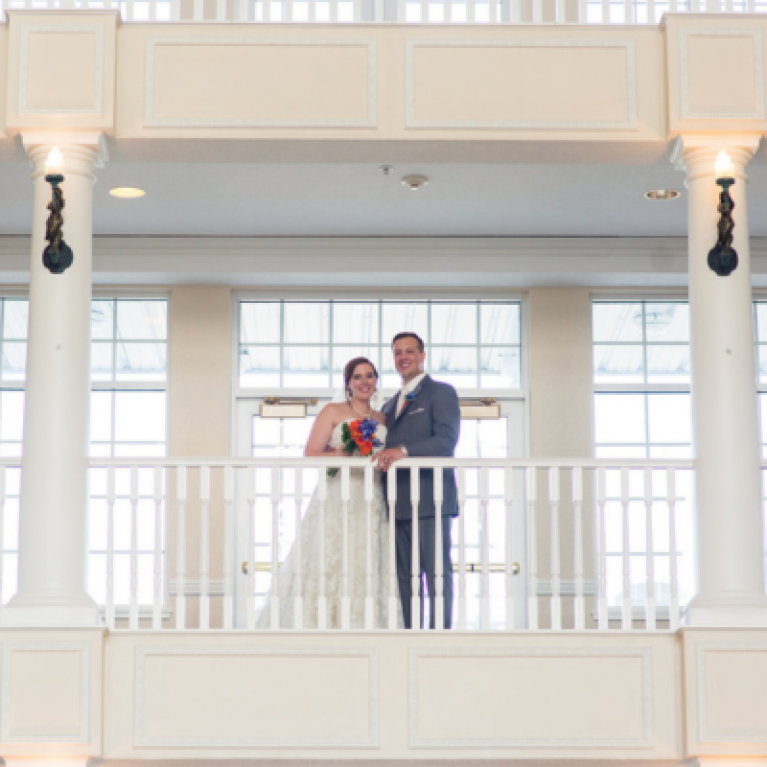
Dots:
{"x": 357, "y": 517}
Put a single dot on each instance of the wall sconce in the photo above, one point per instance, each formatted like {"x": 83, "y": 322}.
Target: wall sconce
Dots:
{"x": 722, "y": 258}
{"x": 57, "y": 256}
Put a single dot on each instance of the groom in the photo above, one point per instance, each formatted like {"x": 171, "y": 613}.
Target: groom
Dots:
{"x": 423, "y": 419}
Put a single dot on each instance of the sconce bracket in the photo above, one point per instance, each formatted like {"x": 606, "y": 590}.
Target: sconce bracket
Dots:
{"x": 57, "y": 256}
{"x": 723, "y": 258}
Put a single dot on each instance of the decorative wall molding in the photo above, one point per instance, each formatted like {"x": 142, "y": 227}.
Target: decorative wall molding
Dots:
{"x": 631, "y": 87}
{"x": 702, "y": 649}
{"x": 141, "y": 739}
{"x": 97, "y": 31}
{"x": 643, "y": 653}
{"x": 84, "y": 648}
{"x": 754, "y": 34}
{"x": 152, "y": 43}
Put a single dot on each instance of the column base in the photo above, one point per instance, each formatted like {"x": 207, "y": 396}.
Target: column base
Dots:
{"x": 50, "y": 611}
{"x": 731, "y": 611}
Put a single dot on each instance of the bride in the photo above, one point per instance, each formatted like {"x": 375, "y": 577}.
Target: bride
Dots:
{"x": 325, "y": 439}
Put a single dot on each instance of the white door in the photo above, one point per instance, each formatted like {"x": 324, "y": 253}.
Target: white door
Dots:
{"x": 504, "y": 436}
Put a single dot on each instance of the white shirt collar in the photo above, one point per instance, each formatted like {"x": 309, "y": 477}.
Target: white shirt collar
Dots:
{"x": 412, "y": 385}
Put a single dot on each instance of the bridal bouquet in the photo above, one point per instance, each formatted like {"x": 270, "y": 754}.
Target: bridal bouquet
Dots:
{"x": 359, "y": 436}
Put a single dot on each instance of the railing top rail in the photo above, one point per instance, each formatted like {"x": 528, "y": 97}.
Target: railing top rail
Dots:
{"x": 447, "y": 463}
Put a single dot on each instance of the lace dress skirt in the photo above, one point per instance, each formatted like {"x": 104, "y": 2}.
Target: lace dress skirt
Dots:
{"x": 362, "y": 518}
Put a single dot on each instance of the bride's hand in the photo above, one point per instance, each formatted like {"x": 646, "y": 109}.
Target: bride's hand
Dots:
{"x": 334, "y": 451}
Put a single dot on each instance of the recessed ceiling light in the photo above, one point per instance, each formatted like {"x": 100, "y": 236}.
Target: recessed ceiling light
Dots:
{"x": 414, "y": 183}
{"x": 662, "y": 194}
{"x": 127, "y": 192}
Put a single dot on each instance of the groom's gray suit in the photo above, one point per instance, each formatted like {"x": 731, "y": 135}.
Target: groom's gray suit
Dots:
{"x": 429, "y": 425}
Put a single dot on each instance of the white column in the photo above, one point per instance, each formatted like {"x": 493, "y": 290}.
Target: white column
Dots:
{"x": 724, "y": 407}
{"x": 54, "y": 493}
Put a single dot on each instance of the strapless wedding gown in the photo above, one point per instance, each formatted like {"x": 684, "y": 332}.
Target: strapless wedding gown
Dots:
{"x": 357, "y": 516}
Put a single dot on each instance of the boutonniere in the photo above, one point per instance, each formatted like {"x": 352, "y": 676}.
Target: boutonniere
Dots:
{"x": 409, "y": 397}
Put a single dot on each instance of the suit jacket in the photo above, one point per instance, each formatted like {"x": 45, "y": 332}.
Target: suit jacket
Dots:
{"x": 428, "y": 426}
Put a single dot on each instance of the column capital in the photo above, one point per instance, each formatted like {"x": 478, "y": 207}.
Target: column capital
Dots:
{"x": 695, "y": 153}
{"x": 83, "y": 151}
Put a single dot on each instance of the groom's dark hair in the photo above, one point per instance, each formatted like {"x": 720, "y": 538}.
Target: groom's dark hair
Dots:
{"x": 408, "y": 334}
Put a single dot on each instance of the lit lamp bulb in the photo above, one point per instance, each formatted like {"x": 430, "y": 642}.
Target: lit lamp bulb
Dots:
{"x": 723, "y": 167}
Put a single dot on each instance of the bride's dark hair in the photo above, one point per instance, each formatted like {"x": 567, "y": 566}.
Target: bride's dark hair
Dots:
{"x": 349, "y": 369}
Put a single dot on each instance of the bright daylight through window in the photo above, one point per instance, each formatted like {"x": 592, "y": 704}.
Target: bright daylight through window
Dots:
{"x": 128, "y": 417}
{"x": 642, "y": 410}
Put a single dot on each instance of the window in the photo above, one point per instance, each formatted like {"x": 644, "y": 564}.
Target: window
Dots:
{"x": 128, "y": 417}
{"x": 305, "y": 344}
{"x": 642, "y": 409}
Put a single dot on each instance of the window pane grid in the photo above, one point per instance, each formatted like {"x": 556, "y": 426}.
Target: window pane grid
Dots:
{"x": 473, "y": 344}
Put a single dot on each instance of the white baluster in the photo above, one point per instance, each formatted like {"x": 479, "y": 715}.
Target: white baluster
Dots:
{"x": 391, "y": 497}
{"x": 508, "y": 497}
{"x": 242, "y": 10}
{"x": 175, "y": 10}
{"x": 345, "y": 601}
{"x": 532, "y": 549}
{"x": 415, "y": 563}
{"x": 673, "y": 608}
{"x": 484, "y": 500}
{"x": 228, "y": 553}
{"x": 334, "y": 11}
{"x": 438, "y": 599}
{"x": 250, "y": 495}
{"x": 109, "y": 608}
{"x": 583, "y": 14}
{"x": 369, "y": 547}
{"x": 356, "y": 12}
{"x": 322, "y": 601}
{"x": 130, "y": 10}
{"x": 728, "y": 6}
{"x": 649, "y": 553}
{"x": 204, "y": 548}
{"x": 471, "y": 11}
{"x": 750, "y": 6}
{"x": 274, "y": 600}
{"x": 556, "y": 573}
{"x": 424, "y": 11}
{"x": 220, "y": 10}
{"x": 158, "y": 546}
{"x": 461, "y": 497}
{"x": 3, "y": 496}
{"x": 401, "y": 12}
{"x": 627, "y": 12}
{"x": 133, "y": 615}
{"x": 199, "y": 10}
{"x": 448, "y": 11}
{"x": 181, "y": 547}
{"x": 298, "y": 604}
{"x": 561, "y": 10}
{"x": 152, "y": 10}
{"x": 493, "y": 11}
{"x": 379, "y": 11}
{"x": 626, "y": 618}
{"x": 580, "y": 606}
{"x": 672, "y": 6}
{"x": 651, "y": 11}
{"x": 312, "y": 11}
{"x": 537, "y": 11}
{"x": 602, "y": 616}
{"x": 605, "y": 11}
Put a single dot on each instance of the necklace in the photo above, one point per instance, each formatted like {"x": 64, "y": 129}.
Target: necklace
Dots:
{"x": 364, "y": 415}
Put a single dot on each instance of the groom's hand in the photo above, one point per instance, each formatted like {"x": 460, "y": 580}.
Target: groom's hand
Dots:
{"x": 386, "y": 458}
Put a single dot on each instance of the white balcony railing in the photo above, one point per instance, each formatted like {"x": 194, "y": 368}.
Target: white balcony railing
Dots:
{"x": 495, "y": 12}
{"x": 588, "y": 544}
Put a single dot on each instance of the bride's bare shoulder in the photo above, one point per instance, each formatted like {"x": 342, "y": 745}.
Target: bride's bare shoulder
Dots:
{"x": 334, "y": 411}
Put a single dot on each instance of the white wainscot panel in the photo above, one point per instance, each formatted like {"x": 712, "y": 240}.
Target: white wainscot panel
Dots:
{"x": 536, "y": 697}
{"x": 250, "y": 83}
{"x": 46, "y": 692}
{"x": 521, "y": 84}
{"x": 732, "y": 692}
{"x": 256, "y": 697}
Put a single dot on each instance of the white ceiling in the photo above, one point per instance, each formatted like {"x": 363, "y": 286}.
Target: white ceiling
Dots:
{"x": 249, "y": 188}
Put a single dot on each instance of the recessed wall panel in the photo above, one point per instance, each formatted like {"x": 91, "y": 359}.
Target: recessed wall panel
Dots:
{"x": 260, "y": 83}
{"x": 515, "y": 84}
